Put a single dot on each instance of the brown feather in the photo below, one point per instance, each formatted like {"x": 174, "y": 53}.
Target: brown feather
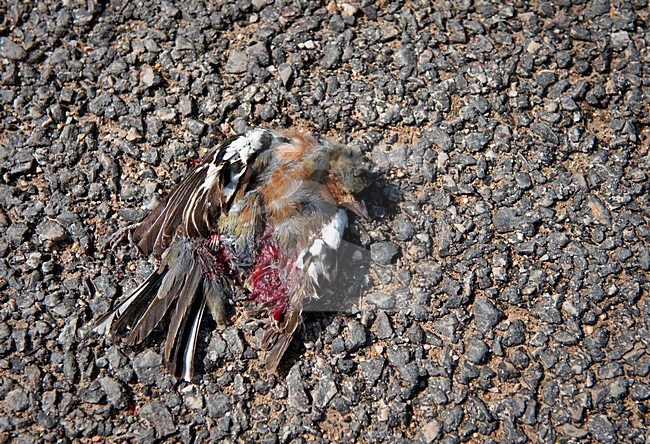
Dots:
{"x": 280, "y": 342}
{"x": 214, "y": 297}
{"x": 181, "y": 362}
{"x": 185, "y": 299}
{"x": 157, "y": 231}
{"x": 128, "y": 311}
{"x": 131, "y": 315}
{"x": 277, "y": 338}
{"x": 170, "y": 288}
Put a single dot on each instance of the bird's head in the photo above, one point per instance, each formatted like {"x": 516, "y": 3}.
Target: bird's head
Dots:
{"x": 347, "y": 178}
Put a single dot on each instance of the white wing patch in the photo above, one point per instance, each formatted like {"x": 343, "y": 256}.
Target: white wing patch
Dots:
{"x": 333, "y": 232}
{"x": 318, "y": 256}
{"x": 230, "y": 189}
{"x": 211, "y": 175}
{"x": 245, "y": 145}
{"x": 313, "y": 271}
{"x": 317, "y": 247}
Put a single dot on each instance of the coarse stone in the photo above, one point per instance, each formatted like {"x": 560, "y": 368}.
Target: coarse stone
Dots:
{"x": 384, "y": 252}
{"x": 486, "y": 315}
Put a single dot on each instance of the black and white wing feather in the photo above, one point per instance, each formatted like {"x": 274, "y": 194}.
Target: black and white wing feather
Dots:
{"x": 193, "y": 207}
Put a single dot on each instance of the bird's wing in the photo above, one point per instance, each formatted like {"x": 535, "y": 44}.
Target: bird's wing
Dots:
{"x": 192, "y": 208}
{"x": 298, "y": 276}
{"x": 318, "y": 260}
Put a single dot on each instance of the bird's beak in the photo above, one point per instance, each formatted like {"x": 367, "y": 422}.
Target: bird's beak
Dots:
{"x": 358, "y": 207}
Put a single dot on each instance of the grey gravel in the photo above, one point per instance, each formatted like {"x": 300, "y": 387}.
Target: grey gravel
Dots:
{"x": 383, "y": 327}
{"x": 477, "y": 351}
{"x": 324, "y": 391}
{"x": 159, "y": 418}
{"x": 237, "y": 62}
{"x": 331, "y": 56}
{"x": 384, "y": 252}
{"x": 356, "y": 335}
{"x": 381, "y": 300}
{"x": 144, "y": 363}
{"x": 194, "y": 126}
{"x": 286, "y": 73}
{"x": 17, "y": 400}
{"x": 486, "y": 315}
{"x": 371, "y": 369}
{"x": 297, "y": 398}
{"x": 10, "y": 50}
{"x": 51, "y": 231}
{"x": 601, "y": 429}
{"x": 113, "y": 390}
{"x": 515, "y": 334}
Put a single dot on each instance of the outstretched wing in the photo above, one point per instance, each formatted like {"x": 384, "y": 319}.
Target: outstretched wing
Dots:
{"x": 301, "y": 278}
{"x": 192, "y": 208}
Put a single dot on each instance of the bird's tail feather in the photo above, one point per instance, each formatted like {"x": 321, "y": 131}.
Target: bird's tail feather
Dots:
{"x": 277, "y": 338}
{"x": 178, "y": 287}
{"x": 182, "y": 318}
{"x": 179, "y": 349}
{"x": 275, "y": 345}
{"x": 129, "y": 311}
{"x": 171, "y": 288}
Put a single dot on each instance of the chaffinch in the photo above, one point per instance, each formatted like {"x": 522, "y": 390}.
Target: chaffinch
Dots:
{"x": 264, "y": 211}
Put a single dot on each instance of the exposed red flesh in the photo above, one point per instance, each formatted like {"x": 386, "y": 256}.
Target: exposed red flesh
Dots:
{"x": 218, "y": 262}
{"x": 268, "y": 281}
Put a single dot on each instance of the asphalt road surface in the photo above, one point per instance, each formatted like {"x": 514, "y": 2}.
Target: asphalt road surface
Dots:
{"x": 501, "y": 293}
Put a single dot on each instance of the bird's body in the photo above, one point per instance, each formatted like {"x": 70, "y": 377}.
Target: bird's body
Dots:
{"x": 263, "y": 211}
